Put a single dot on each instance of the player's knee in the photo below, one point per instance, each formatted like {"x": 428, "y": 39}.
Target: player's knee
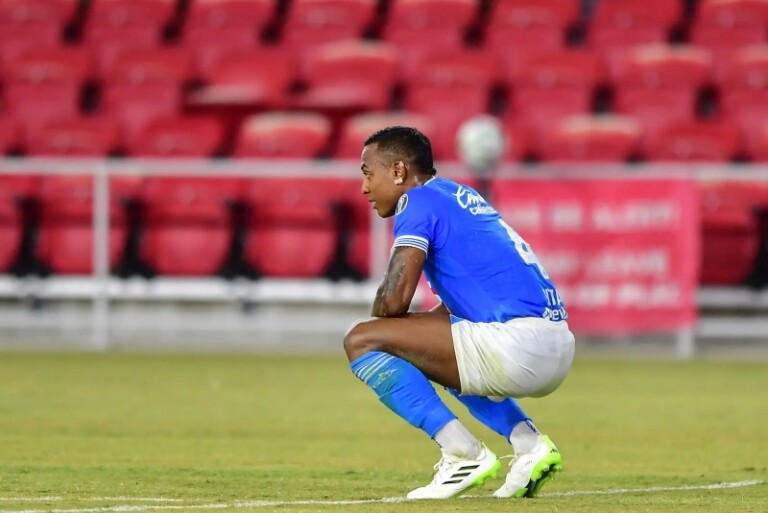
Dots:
{"x": 356, "y": 340}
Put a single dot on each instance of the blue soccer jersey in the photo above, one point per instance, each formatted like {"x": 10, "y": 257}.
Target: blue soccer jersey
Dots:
{"x": 480, "y": 267}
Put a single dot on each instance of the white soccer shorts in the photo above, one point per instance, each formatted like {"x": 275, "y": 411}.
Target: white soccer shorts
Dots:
{"x": 524, "y": 357}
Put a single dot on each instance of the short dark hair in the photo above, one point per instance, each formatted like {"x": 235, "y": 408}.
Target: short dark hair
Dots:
{"x": 407, "y": 144}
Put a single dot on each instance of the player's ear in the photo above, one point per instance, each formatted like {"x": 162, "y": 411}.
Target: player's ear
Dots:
{"x": 398, "y": 169}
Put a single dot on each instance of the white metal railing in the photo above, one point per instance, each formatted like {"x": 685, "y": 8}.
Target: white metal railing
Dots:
{"x": 100, "y": 287}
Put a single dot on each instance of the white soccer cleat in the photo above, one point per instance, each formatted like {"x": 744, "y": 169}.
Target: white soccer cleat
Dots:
{"x": 454, "y": 476}
{"x": 529, "y": 471}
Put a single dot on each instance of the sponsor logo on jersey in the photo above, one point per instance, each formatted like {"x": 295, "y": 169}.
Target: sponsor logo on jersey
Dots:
{"x": 472, "y": 202}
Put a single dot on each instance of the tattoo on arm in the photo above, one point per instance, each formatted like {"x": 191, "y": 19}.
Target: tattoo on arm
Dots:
{"x": 394, "y": 295}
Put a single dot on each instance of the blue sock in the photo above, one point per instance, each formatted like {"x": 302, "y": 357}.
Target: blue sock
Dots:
{"x": 499, "y": 416}
{"x": 404, "y": 390}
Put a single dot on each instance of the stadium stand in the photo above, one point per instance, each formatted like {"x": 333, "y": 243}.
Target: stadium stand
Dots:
{"x": 668, "y": 80}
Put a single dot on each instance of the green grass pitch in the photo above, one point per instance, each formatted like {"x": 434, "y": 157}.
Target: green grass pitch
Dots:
{"x": 109, "y": 432}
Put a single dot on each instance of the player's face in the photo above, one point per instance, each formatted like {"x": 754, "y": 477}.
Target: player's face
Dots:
{"x": 379, "y": 181}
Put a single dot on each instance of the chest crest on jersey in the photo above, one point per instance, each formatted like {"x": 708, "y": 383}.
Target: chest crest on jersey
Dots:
{"x": 401, "y": 204}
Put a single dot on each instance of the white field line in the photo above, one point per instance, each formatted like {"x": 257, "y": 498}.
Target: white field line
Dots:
{"x": 58, "y": 498}
{"x": 266, "y": 504}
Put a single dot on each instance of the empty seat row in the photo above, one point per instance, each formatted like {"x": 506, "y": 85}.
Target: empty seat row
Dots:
{"x": 309, "y": 135}
{"x": 213, "y": 28}
{"x": 657, "y": 85}
{"x": 188, "y": 227}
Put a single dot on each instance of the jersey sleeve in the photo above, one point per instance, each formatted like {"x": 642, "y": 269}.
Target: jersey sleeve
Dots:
{"x": 414, "y": 222}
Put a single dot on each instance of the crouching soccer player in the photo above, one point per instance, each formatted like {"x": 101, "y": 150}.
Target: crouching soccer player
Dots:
{"x": 499, "y": 333}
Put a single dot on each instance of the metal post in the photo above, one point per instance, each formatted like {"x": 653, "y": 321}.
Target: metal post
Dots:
{"x": 100, "y": 300}
{"x": 685, "y": 343}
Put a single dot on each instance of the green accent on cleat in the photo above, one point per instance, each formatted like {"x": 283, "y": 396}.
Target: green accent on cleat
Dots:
{"x": 543, "y": 471}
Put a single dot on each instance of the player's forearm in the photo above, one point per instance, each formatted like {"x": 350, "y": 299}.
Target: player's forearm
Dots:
{"x": 389, "y": 302}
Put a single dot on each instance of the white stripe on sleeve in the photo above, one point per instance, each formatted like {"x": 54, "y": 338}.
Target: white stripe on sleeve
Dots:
{"x": 413, "y": 241}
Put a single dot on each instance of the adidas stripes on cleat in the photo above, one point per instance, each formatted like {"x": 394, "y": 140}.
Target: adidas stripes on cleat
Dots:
{"x": 455, "y": 476}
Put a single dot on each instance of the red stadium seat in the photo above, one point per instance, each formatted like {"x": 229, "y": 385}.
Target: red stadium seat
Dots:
{"x": 215, "y": 28}
{"x": 694, "y": 142}
{"x": 551, "y": 87}
{"x": 187, "y": 229}
{"x": 43, "y": 66}
{"x": 312, "y": 22}
{"x": 78, "y": 136}
{"x": 518, "y": 136}
{"x": 658, "y": 85}
{"x": 358, "y": 128}
{"x": 592, "y": 139}
{"x": 349, "y": 75}
{"x": 520, "y": 23}
{"x": 283, "y": 135}
{"x": 758, "y": 142}
{"x": 150, "y": 66}
{"x": 9, "y": 134}
{"x": 10, "y": 234}
{"x": 743, "y": 81}
{"x": 143, "y": 85}
{"x": 134, "y": 106}
{"x": 748, "y": 110}
{"x": 114, "y": 26}
{"x": 26, "y": 24}
{"x": 12, "y": 188}
{"x": 723, "y": 26}
{"x": 451, "y": 88}
{"x": 511, "y": 14}
{"x": 655, "y": 109}
{"x": 664, "y": 66}
{"x": 16, "y": 39}
{"x": 41, "y": 85}
{"x": 613, "y": 44}
{"x": 179, "y": 137}
{"x": 746, "y": 69}
{"x": 619, "y": 25}
{"x": 285, "y": 219}
{"x": 458, "y": 68}
{"x": 65, "y": 239}
{"x": 730, "y": 233}
{"x": 259, "y": 78}
{"x": 628, "y": 14}
{"x": 571, "y": 68}
{"x": 732, "y": 14}
{"x": 419, "y": 27}
{"x": 37, "y": 12}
